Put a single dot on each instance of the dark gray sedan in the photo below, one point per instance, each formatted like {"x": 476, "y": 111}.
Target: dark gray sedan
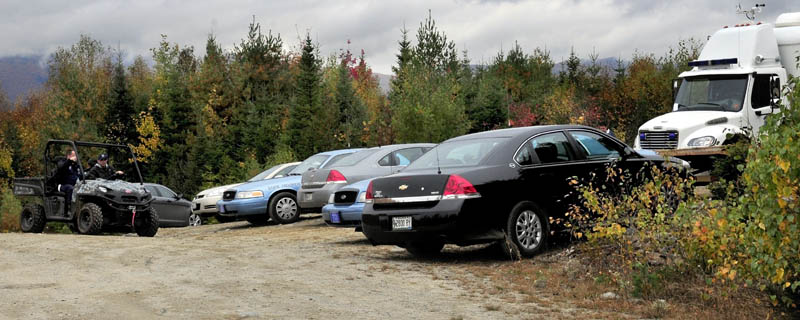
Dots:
{"x": 318, "y": 185}
{"x": 172, "y": 209}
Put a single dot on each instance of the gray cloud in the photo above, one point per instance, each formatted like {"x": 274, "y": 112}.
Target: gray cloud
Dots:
{"x": 612, "y": 28}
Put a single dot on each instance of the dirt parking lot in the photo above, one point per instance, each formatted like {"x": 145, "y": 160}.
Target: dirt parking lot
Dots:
{"x": 235, "y": 270}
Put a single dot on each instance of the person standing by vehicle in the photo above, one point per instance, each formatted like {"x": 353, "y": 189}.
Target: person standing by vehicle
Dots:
{"x": 103, "y": 170}
{"x": 67, "y": 175}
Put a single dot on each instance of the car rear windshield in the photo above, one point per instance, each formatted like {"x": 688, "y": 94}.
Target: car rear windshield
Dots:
{"x": 312, "y": 162}
{"x": 351, "y": 159}
{"x": 261, "y": 176}
{"x": 461, "y": 153}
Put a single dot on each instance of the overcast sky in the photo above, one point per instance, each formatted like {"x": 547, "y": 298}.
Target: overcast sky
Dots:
{"x": 612, "y": 28}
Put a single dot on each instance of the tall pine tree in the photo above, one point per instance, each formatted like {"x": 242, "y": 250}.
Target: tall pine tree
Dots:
{"x": 305, "y": 130}
{"x": 120, "y": 126}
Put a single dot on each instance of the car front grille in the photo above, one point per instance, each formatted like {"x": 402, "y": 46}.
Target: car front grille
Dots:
{"x": 345, "y": 197}
{"x": 658, "y": 140}
{"x": 213, "y": 206}
{"x": 228, "y": 195}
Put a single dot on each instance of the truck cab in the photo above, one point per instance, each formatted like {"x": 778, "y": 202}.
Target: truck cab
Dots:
{"x": 733, "y": 85}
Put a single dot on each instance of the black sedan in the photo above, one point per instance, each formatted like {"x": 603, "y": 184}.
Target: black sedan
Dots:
{"x": 172, "y": 209}
{"x": 487, "y": 186}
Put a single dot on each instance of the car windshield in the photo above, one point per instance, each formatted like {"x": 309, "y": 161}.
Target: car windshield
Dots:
{"x": 459, "y": 153}
{"x": 312, "y": 162}
{"x": 712, "y": 93}
{"x": 267, "y": 172}
{"x": 351, "y": 159}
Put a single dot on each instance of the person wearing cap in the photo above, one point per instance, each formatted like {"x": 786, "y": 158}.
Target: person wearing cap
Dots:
{"x": 66, "y": 176}
{"x": 103, "y": 170}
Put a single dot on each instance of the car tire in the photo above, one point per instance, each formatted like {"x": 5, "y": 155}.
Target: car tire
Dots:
{"x": 90, "y": 219}
{"x": 283, "y": 208}
{"x": 526, "y": 231}
{"x": 195, "y": 220}
{"x": 32, "y": 219}
{"x": 146, "y": 223}
{"x": 425, "y": 249}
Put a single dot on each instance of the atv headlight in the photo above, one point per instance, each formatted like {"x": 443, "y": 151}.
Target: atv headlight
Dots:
{"x": 102, "y": 189}
{"x": 249, "y": 194}
{"x": 706, "y": 141}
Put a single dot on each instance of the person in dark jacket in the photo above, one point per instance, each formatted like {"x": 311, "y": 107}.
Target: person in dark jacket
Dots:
{"x": 103, "y": 170}
{"x": 67, "y": 175}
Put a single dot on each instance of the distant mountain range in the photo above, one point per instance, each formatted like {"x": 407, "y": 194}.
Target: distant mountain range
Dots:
{"x": 21, "y": 75}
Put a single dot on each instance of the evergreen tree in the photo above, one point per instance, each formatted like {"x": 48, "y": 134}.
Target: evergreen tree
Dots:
{"x": 305, "y": 129}
{"x": 120, "y": 127}
{"x": 351, "y": 111}
{"x": 403, "y": 58}
{"x": 5, "y": 105}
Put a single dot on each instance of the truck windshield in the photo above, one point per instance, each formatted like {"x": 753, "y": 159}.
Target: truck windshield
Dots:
{"x": 712, "y": 93}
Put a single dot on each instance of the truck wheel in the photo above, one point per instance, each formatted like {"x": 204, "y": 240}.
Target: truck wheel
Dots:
{"x": 526, "y": 231}
{"x": 32, "y": 218}
{"x": 283, "y": 208}
{"x": 146, "y": 223}
{"x": 90, "y": 219}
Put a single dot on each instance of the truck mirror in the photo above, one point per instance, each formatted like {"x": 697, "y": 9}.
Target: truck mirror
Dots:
{"x": 676, "y": 83}
{"x": 775, "y": 91}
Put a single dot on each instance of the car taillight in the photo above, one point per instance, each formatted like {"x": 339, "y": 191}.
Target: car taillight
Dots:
{"x": 368, "y": 196}
{"x": 459, "y": 188}
{"x": 335, "y": 176}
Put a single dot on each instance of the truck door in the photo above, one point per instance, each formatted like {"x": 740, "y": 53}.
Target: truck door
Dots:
{"x": 760, "y": 101}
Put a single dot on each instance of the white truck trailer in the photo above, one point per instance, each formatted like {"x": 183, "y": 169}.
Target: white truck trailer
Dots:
{"x": 733, "y": 85}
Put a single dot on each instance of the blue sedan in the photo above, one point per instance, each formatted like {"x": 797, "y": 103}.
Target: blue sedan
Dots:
{"x": 345, "y": 206}
{"x": 274, "y": 199}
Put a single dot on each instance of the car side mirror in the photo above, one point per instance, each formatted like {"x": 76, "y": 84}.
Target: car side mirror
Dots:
{"x": 178, "y": 196}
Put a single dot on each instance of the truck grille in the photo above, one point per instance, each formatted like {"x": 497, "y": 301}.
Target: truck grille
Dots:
{"x": 658, "y": 140}
{"x": 345, "y": 197}
{"x": 228, "y": 195}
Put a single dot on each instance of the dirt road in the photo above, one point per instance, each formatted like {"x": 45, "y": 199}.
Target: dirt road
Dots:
{"x": 233, "y": 271}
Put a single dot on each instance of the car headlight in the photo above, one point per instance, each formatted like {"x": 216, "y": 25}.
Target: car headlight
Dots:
{"x": 706, "y": 141}
{"x": 362, "y": 197}
{"x": 102, "y": 189}
{"x": 249, "y": 194}
{"x": 330, "y": 199}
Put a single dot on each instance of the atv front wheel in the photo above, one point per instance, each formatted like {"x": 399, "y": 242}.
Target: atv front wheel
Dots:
{"x": 90, "y": 219}
{"x": 32, "y": 218}
{"x": 146, "y": 223}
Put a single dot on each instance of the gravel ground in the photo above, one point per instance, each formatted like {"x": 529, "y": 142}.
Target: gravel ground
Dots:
{"x": 304, "y": 270}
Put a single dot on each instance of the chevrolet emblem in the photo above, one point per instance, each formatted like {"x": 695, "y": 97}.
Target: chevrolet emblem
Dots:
{"x": 403, "y": 187}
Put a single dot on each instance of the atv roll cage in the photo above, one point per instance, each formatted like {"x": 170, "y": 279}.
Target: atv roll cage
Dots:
{"x": 49, "y": 161}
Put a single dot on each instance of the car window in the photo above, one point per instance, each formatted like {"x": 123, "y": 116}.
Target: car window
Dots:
{"x": 551, "y": 148}
{"x": 335, "y": 160}
{"x": 351, "y": 158}
{"x": 385, "y": 161}
{"x": 312, "y": 162}
{"x": 405, "y": 157}
{"x": 284, "y": 171}
{"x": 457, "y": 153}
{"x": 595, "y": 145}
{"x": 153, "y": 190}
{"x": 166, "y": 192}
{"x": 523, "y": 157}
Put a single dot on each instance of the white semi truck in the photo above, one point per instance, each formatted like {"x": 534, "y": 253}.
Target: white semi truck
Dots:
{"x": 733, "y": 85}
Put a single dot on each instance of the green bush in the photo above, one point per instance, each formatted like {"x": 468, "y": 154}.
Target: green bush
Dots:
{"x": 10, "y": 209}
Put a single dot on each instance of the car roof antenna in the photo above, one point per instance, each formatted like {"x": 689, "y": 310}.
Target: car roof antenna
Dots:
{"x": 438, "y": 167}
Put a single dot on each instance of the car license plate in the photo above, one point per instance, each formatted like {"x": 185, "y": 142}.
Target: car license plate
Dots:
{"x": 307, "y": 196}
{"x": 335, "y": 218}
{"x": 401, "y": 223}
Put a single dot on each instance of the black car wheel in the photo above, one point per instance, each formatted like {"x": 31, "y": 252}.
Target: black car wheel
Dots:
{"x": 146, "y": 223}
{"x": 425, "y": 249}
{"x": 526, "y": 230}
{"x": 32, "y": 219}
{"x": 283, "y": 208}
{"x": 90, "y": 219}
